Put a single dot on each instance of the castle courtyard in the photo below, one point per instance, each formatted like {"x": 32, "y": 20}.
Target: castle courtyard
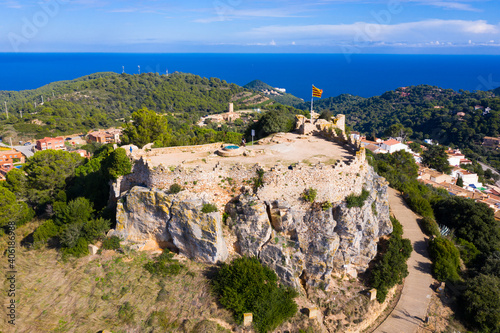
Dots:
{"x": 282, "y": 148}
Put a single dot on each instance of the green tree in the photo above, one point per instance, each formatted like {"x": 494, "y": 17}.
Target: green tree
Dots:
{"x": 472, "y": 221}
{"x": 147, "y": 127}
{"x": 96, "y": 229}
{"x": 48, "y": 172}
{"x": 399, "y": 131}
{"x": 445, "y": 259}
{"x": 118, "y": 163}
{"x": 247, "y": 286}
{"x": 481, "y": 301}
{"x": 78, "y": 211}
{"x": 273, "y": 121}
{"x": 436, "y": 157}
{"x": 12, "y": 210}
{"x": 460, "y": 182}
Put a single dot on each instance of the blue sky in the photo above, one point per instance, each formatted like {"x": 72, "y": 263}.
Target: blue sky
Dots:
{"x": 317, "y": 26}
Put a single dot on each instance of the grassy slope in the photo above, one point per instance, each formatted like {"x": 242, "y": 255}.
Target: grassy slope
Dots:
{"x": 85, "y": 295}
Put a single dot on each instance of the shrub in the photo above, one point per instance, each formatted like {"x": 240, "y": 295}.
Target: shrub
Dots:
{"x": 209, "y": 208}
{"x": 44, "y": 232}
{"x": 111, "y": 243}
{"x": 445, "y": 259}
{"x": 326, "y": 205}
{"x": 258, "y": 182}
{"x": 70, "y": 234}
{"x": 429, "y": 226}
{"x": 79, "y": 250}
{"x": 309, "y": 194}
{"x": 374, "y": 208}
{"x": 126, "y": 312}
{"x": 353, "y": 200}
{"x": 175, "y": 188}
{"x": 247, "y": 286}
{"x": 391, "y": 267}
{"x": 468, "y": 252}
{"x": 164, "y": 265}
{"x": 420, "y": 205}
{"x": 96, "y": 229}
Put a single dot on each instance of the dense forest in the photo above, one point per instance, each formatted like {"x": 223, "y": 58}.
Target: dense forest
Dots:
{"x": 458, "y": 119}
{"x": 103, "y": 100}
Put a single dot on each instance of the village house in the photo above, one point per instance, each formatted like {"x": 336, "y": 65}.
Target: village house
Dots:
{"x": 489, "y": 141}
{"x": 111, "y": 135}
{"x": 455, "y": 157}
{"x": 469, "y": 178}
{"x": 9, "y": 157}
{"x": 434, "y": 175}
{"x": 393, "y": 145}
{"x": 50, "y": 143}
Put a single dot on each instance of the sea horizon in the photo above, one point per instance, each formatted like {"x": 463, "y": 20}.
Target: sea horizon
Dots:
{"x": 363, "y": 75}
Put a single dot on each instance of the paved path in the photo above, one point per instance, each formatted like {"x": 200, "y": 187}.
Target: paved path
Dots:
{"x": 411, "y": 309}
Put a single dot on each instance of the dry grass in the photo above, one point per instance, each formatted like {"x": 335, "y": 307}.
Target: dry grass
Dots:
{"x": 85, "y": 295}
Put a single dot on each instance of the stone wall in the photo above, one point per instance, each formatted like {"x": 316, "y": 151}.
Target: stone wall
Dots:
{"x": 332, "y": 182}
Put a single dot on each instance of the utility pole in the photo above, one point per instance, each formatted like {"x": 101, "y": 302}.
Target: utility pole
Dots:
{"x": 6, "y": 111}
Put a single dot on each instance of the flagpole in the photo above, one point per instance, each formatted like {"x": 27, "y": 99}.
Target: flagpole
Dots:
{"x": 312, "y": 97}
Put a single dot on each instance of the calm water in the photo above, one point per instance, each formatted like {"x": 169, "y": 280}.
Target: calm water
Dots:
{"x": 363, "y": 75}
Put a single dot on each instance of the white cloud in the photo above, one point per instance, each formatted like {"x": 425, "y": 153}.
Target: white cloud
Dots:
{"x": 455, "y": 5}
{"x": 419, "y": 31}
{"x": 11, "y": 4}
{"x": 230, "y": 14}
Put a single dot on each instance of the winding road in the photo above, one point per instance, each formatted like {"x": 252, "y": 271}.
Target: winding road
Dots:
{"x": 411, "y": 310}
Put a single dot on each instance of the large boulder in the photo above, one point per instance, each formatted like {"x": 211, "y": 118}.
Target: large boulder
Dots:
{"x": 142, "y": 214}
{"x": 251, "y": 224}
{"x": 172, "y": 220}
{"x": 196, "y": 234}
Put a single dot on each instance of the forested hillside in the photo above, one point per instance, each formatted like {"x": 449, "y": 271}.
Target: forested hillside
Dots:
{"x": 452, "y": 118}
{"x": 108, "y": 99}
{"x": 283, "y": 98}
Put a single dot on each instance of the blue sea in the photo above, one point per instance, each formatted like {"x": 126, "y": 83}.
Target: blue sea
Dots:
{"x": 358, "y": 74}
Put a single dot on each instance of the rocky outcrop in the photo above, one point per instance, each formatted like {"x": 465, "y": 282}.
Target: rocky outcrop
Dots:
{"x": 309, "y": 243}
{"x": 172, "y": 220}
{"x": 304, "y": 243}
{"x": 197, "y": 234}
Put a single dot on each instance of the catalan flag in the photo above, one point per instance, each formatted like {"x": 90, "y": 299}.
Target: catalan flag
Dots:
{"x": 317, "y": 92}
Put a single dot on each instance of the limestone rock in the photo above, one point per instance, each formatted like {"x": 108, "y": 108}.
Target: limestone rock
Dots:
{"x": 196, "y": 234}
{"x": 252, "y": 226}
{"x": 171, "y": 220}
{"x": 143, "y": 214}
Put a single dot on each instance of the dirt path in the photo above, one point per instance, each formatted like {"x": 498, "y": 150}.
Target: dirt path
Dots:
{"x": 412, "y": 307}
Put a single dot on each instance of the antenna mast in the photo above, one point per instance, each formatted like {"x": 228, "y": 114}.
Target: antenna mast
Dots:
{"x": 139, "y": 69}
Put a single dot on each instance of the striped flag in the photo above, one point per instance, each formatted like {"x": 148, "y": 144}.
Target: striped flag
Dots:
{"x": 317, "y": 92}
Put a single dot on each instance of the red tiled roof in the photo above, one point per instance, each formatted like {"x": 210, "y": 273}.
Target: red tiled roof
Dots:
{"x": 391, "y": 142}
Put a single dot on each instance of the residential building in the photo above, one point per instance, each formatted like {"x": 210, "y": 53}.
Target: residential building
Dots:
{"x": 111, "y": 135}
{"x": 393, "y": 145}
{"x": 469, "y": 178}
{"x": 9, "y": 157}
{"x": 434, "y": 176}
{"x": 50, "y": 143}
{"x": 489, "y": 141}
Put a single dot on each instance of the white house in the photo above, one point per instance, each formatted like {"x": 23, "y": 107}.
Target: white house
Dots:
{"x": 455, "y": 158}
{"x": 469, "y": 178}
{"x": 393, "y": 145}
